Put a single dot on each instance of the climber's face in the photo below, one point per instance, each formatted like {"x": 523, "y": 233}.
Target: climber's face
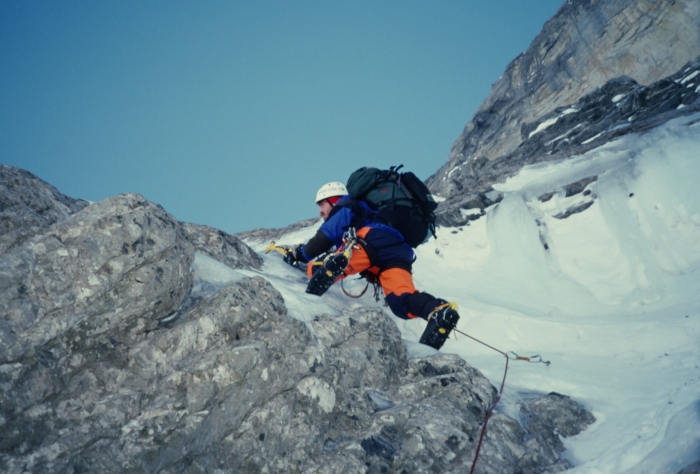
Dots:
{"x": 324, "y": 209}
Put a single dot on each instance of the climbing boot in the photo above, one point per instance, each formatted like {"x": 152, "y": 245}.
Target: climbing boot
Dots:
{"x": 441, "y": 321}
{"x": 326, "y": 275}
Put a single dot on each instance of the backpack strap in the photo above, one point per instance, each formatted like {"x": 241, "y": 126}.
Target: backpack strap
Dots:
{"x": 361, "y": 214}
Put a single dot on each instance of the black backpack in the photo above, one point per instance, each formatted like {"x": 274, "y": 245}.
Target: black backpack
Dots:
{"x": 401, "y": 199}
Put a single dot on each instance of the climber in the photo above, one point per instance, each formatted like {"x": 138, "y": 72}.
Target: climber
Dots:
{"x": 379, "y": 254}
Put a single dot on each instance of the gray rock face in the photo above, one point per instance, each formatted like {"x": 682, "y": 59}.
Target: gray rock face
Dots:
{"x": 83, "y": 289}
{"x": 237, "y": 386}
{"x": 118, "y": 265}
{"x": 266, "y": 235}
{"x": 28, "y": 204}
{"x": 555, "y": 412}
{"x": 147, "y": 404}
{"x": 619, "y": 107}
{"x": 226, "y": 248}
{"x": 545, "y": 418}
{"x": 585, "y": 45}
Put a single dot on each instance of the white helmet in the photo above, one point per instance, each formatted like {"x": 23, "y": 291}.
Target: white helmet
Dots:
{"x": 331, "y": 189}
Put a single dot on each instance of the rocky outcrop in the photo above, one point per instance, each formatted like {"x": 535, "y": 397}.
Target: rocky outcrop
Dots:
{"x": 618, "y": 108}
{"x": 584, "y": 46}
{"x": 266, "y": 235}
{"x": 237, "y": 386}
{"x": 108, "y": 272}
{"x": 546, "y": 417}
{"x": 108, "y": 364}
{"x": 28, "y": 204}
{"x": 150, "y": 403}
{"x": 217, "y": 244}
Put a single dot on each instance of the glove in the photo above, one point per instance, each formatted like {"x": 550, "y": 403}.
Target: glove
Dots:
{"x": 293, "y": 257}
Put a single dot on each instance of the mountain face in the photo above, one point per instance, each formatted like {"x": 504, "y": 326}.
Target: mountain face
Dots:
{"x": 619, "y": 107}
{"x": 585, "y": 46}
{"x": 117, "y": 356}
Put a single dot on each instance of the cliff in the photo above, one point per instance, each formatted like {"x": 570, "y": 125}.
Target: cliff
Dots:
{"x": 584, "y": 46}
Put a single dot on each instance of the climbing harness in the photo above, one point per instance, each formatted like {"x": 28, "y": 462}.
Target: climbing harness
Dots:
{"x": 350, "y": 242}
{"x": 533, "y": 359}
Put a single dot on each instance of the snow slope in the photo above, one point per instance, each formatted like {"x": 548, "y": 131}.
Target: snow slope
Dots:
{"x": 613, "y": 301}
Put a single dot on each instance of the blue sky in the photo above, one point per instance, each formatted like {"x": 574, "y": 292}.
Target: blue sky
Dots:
{"x": 232, "y": 114}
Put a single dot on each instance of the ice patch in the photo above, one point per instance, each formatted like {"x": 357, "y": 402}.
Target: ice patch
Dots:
{"x": 543, "y": 126}
{"x": 690, "y": 77}
{"x": 586, "y": 142}
{"x": 618, "y": 98}
{"x": 456, "y": 168}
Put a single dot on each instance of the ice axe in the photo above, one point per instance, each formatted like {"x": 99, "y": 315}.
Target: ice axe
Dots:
{"x": 282, "y": 250}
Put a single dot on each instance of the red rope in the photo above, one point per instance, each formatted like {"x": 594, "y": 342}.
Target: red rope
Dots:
{"x": 488, "y": 415}
{"x": 493, "y": 405}
{"x": 351, "y": 295}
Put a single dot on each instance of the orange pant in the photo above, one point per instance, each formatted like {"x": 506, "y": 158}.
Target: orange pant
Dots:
{"x": 397, "y": 283}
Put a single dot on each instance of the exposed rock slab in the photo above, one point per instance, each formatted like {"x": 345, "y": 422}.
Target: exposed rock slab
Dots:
{"x": 28, "y": 204}
{"x": 226, "y": 248}
{"x": 546, "y": 417}
{"x": 153, "y": 404}
{"x": 266, "y": 235}
{"x": 619, "y": 107}
{"x": 238, "y": 386}
{"x": 107, "y": 272}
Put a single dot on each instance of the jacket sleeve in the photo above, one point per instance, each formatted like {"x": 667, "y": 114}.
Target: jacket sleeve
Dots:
{"x": 318, "y": 244}
{"x": 330, "y": 233}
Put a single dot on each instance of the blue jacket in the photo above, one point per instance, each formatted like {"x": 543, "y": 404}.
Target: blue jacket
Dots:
{"x": 344, "y": 215}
